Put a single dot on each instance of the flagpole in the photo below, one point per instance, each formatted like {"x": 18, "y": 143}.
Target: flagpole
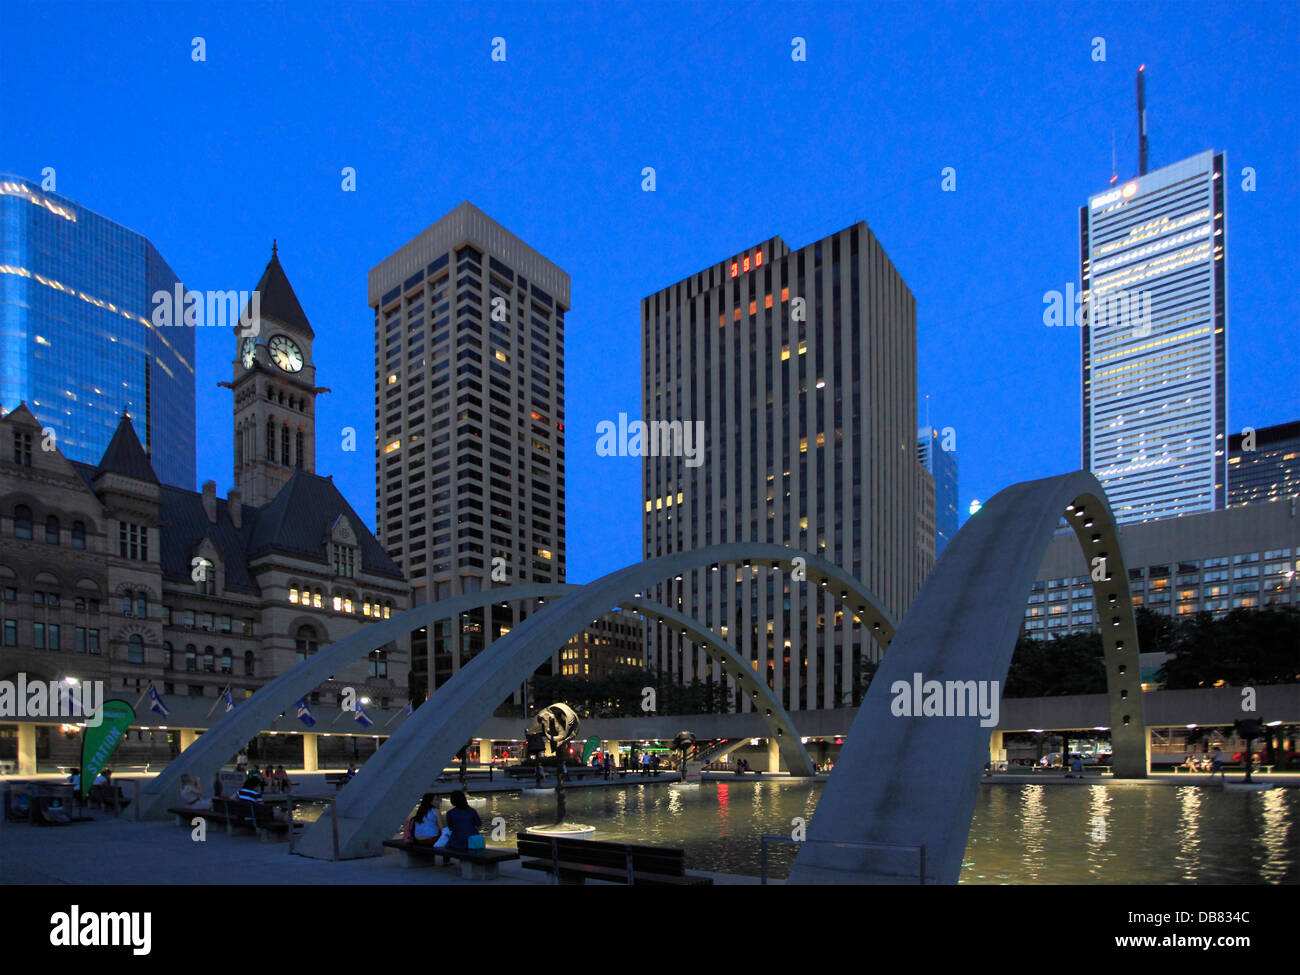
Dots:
{"x": 136, "y": 706}
{"x": 217, "y": 701}
{"x": 389, "y": 721}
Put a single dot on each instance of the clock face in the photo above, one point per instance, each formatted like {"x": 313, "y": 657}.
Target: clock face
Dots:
{"x": 248, "y": 353}
{"x": 285, "y": 353}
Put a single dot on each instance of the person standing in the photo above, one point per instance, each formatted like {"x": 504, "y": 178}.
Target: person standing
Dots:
{"x": 1216, "y": 765}
{"x": 241, "y": 762}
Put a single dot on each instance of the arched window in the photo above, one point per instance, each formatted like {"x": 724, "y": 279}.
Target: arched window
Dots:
{"x": 226, "y": 662}
{"x": 305, "y": 642}
{"x": 167, "y": 656}
{"x": 297, "y": 453}
{"x": 239, "y": 446}
{"x": 191, "y": 657}
{"x": 270, "y": 439}
{"x": 135, "y": 649}
{"x": 22, "y": 521}
{"x": 78, "y": 534}
{"x": 141, "y": 606}
{"x": 248, "y": 663}
{"x": 378, "y": 664}
{"x": 284, "y": 445}
{"x": 209, "y": 660}
{"x": 126, "y": 604}
{"x": 51, "y": 530}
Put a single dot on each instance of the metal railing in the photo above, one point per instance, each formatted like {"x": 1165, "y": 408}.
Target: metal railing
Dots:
{"x": 790, "y": 841}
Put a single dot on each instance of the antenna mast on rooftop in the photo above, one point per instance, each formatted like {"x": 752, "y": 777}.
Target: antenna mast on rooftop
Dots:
{"x": 1142, "y": 120}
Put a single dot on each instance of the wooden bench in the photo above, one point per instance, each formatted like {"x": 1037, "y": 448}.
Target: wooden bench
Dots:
{"x": 474, "y": 864}
{"x": 185, "y": 815}
{"x": 243, "y": 814}
{"x": 337, "y": 779}
{"x": 573, "y": 861}
{"x": 482, "y": 774}
{"x": 108, "y": 795}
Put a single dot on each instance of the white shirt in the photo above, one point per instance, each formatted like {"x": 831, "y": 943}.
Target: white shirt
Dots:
{"x": 429, "y": 829}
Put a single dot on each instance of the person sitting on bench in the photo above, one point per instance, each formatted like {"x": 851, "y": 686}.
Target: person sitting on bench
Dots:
{"x": 464, "y": 823}
{"x": 191, "y": 791}
{"x": 251, "y": 790}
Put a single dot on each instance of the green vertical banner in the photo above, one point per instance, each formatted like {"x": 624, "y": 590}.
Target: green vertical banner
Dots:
{"x": 589, "y": 748}
{"x": 99, "y": 742}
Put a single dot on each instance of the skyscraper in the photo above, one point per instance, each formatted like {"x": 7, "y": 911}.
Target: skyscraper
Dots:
{"x": 469, "y": 424}
{"x": 77, "y": 340}
{"x": 1264, "y": 464}
{"x": 1153, "y": 264}
{"x": 941, "y": 461}
{"x": 801, "y": 367}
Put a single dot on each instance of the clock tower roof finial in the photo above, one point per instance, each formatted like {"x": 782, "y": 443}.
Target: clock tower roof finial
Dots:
{"x": 278, "y": 299}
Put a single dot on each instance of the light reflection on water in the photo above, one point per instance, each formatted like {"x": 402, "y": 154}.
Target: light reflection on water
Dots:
{"x": 1046, "y": 834}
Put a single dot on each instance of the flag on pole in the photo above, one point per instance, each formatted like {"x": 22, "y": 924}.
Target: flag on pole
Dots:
{"x": 230, "y": 701}
{"x": 304, "y": 713}
{"x": 362, "y": 718}
{"x": 156, "y": 702}
{"x": 410, "y": 709}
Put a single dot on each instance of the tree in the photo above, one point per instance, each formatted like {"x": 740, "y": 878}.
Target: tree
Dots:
{"x": 1070, "y": 664}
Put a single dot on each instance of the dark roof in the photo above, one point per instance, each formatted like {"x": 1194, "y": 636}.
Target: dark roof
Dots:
{"x": 299, "y": 519}
{"x": 297, "y": 522}
{"x": 125, "y": 456}
{"x": 1267, "y": 436}
{"x": 184, "y": 526}
{"x": 278, "y": 298}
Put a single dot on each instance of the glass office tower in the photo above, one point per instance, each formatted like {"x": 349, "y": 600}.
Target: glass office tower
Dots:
{"x": 1155, "y": 404}
{"x": 76, "y": 341}
{"x": 942, "y": 465}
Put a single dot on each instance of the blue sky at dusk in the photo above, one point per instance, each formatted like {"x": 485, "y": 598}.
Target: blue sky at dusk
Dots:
{"x": 212, "y": 160}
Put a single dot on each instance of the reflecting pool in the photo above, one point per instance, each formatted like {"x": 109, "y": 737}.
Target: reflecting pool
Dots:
{"x": 1047, "y": 834}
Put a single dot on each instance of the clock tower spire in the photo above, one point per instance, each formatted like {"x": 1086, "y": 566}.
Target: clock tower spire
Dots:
{"x": 275, "y": 389}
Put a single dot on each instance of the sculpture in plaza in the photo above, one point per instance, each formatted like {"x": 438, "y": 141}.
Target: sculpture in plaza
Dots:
{"x": 557, "y": 725}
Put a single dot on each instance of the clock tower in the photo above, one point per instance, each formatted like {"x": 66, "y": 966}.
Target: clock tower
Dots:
{"x": 275, "y": 390}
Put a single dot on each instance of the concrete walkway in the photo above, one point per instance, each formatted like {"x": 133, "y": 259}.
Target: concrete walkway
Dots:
{"x": 1284, "y": 780}
{"x": 110, "y": 851}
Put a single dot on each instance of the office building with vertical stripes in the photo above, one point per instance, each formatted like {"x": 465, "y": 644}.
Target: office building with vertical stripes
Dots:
{"x": 800, "y": 368}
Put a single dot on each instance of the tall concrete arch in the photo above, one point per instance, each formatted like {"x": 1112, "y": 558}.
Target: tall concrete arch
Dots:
{"x": 215, "y": 746}
{"x": 779, "y": 726}
{"x": 387, "y": 786}
{"x": 909, "y": 781}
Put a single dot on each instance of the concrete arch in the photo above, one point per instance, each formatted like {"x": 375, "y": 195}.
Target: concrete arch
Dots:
{"x": 914, "y": 780}
{"x": 733, "y": 665}
{"x": 384, "y": 789}
{"x": 211, "y": 749}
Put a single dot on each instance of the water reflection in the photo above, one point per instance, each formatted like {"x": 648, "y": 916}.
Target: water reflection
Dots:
{"x": 1019, "y": 834}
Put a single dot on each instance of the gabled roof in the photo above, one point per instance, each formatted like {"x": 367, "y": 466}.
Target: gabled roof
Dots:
{"x": 299, "y": 519}
{"x": 185, "y": 525}
{"x": 22, "y": 416}
{"x": 278, "y": 298}
{"x": 125, "y": 456}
